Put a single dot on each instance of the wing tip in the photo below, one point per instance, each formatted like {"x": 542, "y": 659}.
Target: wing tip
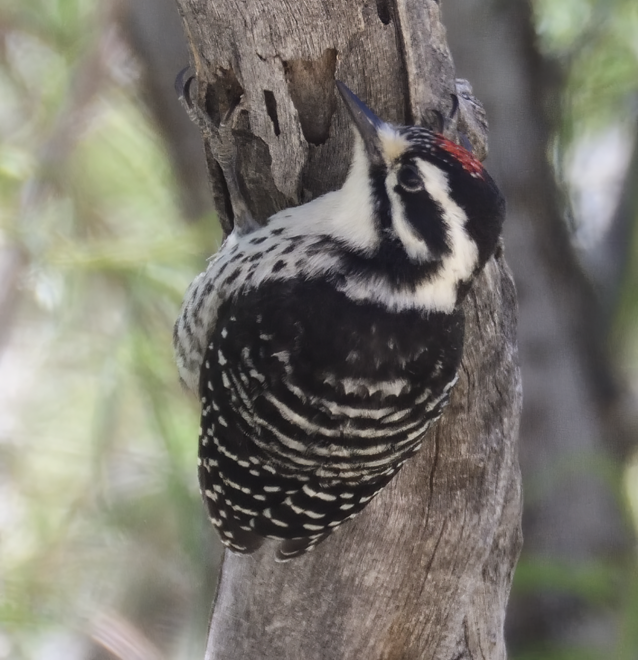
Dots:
{"x": 242, "y": 545}
{"x": 292, "y": 548}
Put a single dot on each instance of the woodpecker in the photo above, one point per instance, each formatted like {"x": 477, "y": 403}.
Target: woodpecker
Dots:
{"x": 324, "y": 345}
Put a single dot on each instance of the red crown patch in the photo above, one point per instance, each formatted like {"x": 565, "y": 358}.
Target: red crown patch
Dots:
{"x": 463, "y": 156}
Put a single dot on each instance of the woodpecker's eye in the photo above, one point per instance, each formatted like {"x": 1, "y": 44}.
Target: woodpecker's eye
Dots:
{"x": 409, "y": 178}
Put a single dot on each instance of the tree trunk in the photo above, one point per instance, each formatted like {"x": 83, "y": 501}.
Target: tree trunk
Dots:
{"x": 425, "y": 570}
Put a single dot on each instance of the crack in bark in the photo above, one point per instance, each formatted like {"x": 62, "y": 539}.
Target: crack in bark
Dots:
{"x": 405, "y": 83}
{"x": 431, "y": 477}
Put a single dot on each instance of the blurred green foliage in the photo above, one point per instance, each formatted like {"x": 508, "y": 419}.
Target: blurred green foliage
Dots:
{"x": 595, "y": 43}
{"x": 607, "y": 586}
{"x": 103, "y": 535}
{"x": 96, "y": 438}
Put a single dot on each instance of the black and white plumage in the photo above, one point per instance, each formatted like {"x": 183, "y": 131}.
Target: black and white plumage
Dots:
{"x": 325, "y": 344}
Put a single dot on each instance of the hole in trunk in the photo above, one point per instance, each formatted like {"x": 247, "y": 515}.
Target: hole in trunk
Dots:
{"x": 222, "y": 95}
{"x": 311, "y": 84}
{"x": 383, "y": 11}
{"x": 271, "y": 109}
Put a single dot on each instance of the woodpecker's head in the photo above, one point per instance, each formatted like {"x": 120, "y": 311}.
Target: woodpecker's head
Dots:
{"x": 431, "y": 200}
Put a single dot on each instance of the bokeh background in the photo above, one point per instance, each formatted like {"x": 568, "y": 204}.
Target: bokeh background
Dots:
{"x": 105, "y": 217}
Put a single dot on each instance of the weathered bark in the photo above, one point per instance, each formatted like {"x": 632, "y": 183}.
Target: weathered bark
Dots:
{"x": 572, "y": 515}
{"x": 425, "y": 570}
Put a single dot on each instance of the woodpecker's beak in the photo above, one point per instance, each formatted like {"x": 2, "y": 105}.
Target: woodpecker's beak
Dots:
{"x": 368, "y": 124}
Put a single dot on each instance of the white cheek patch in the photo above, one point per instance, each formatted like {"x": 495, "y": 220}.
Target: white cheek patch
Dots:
{"x": 461, "y": 262}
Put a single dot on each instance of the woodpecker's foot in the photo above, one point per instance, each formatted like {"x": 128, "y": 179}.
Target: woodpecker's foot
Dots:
{"x": 222, "y": 143}
{"x": 226, "y": 156}
{"x": 185, "y": 82}
{"x": 466, "y": 116}
{"x": 472, "y": 120}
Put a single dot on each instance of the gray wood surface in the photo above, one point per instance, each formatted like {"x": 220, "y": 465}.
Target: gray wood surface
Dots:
{"x": 424, "y": 572}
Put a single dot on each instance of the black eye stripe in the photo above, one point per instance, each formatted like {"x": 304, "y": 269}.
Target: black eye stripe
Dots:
{"x": 409, "y": 178}
{"x": 426, "y": 216}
